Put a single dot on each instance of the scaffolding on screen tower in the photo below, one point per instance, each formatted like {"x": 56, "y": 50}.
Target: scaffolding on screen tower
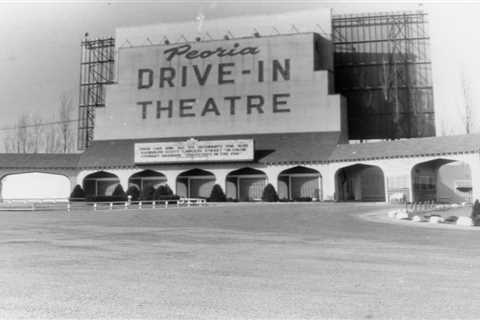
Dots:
{"x": 383, "y": 67}
{"x": 96, "y": 71}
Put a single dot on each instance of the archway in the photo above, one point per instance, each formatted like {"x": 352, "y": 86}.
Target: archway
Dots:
{"x": 299, "y": 183}
{"x": 147, "y": 178}
{"x": 195, "y": 183}
{"x": 442, "y": 180}
{"x": 35, "y": 185}
{"x": 100, "y": 183}
{"x": 245, "y": 184}
{"x": 360, "y": 182}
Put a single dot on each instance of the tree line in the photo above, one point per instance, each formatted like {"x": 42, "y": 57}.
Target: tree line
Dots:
{"x": 35, "y": 134}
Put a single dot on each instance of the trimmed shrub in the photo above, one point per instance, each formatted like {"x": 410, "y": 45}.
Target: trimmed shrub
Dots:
{"x": 303, "y": 199}
{"x": 269, "y": 194}
{"x": 475, "y": 215}
{"x": 118, "y": 193}
{"x": 217, "y": 194}
{"x": 147, "y": 193}
{"x": 77, "y": 194}
{"x": 134, "y": 192}
{"x": 164, "y": 192}
{"x": 105, "y": 198}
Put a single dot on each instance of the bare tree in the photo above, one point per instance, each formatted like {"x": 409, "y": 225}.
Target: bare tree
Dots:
{"x": 21, "y": 134}
{"x": 36, "y": 132}
{"x": 9, "y": 143}
{"x": 467, "y": 100}
{"x": 34, "y": 135}
{"x": 66, "y": 130}
{"x": 52, "y": 141}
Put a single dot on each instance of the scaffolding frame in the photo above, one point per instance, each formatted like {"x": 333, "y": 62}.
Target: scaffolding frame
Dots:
{"x": 385, "y": 54}
{"x": 96, "y": 71}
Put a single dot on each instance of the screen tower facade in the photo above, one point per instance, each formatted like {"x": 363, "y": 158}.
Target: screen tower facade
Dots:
{"x": 382, "y": 66}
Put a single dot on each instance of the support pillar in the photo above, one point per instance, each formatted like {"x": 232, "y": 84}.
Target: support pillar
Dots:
{"x": 329, "y": 183}
{"x": 221, "y": 178}
{"x": 475, "y": 172}
{"x": 171, "y": 176}
{"x": 123, "y": 180}
{"x": 272, "y": 175}
{"x": 73, "y": 182}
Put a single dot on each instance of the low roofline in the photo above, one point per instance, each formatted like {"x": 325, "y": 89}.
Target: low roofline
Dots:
{"x": 272, "y": 149}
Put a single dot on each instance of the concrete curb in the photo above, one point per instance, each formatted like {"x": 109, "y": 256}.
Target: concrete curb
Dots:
{"x": 381, "y": 217}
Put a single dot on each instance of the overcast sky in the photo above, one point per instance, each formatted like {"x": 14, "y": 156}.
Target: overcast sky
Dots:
{"x": 39, "y": 60}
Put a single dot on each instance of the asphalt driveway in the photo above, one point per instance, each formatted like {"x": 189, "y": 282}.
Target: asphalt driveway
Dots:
{"x": 281, "y": 261}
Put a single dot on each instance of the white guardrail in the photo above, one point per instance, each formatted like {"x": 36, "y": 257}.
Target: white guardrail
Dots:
{"x": 67, "y": 205}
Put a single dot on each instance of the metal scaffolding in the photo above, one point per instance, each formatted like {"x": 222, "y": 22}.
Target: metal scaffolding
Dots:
{"x": 383, "y": 67}
{"x": 96, "y": 71}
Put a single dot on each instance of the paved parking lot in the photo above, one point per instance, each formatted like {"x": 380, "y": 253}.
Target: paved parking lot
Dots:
{"x": 243, "y": 261}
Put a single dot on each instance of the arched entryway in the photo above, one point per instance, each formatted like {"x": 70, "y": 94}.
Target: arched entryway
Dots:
{"x": 299, "y": 183}
{"x": 360, "y": 182}
{"x": 100, "y": 183}
{"x": 147, "y": 178}
{"x": 245, "y": 184}
{"x": 442, "y": 180}
{"x": 195, "y": 183}
{"x": 35, "y": 185}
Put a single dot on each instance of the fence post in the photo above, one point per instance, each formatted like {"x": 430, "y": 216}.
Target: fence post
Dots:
{"x": 94, "y": 206}
{"x": 111, "y": 206}
{"x": 126, "y": 205}
{"x": 166, "y": 203}
{"x": 68, "y": 206}
{"x": 140, "y": 205}
{"x": 153, "y": 205}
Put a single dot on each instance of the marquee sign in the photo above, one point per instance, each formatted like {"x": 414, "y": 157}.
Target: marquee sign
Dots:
{"x": 194, "y": 151}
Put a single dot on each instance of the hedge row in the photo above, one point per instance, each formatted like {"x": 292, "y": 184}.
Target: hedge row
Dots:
{"x": 163, "y": 192}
